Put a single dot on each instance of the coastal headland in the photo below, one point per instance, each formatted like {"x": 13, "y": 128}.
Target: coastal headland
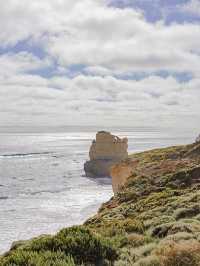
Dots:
{"x": 153, "y": 219}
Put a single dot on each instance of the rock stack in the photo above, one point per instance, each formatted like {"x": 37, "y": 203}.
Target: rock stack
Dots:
{"x": 198, "y": 139}
{"x": 105, "y": 151}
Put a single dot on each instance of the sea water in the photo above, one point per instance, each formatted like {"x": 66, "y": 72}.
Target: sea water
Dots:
{"x": 42, "y": 183}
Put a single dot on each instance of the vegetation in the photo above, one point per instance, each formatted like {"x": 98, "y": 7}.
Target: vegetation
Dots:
{"x": 154, "y": 220}
{"x": 71, "y": 246}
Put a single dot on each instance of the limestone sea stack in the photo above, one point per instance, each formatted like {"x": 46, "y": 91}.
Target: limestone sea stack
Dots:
{"x": 105, "y": 151}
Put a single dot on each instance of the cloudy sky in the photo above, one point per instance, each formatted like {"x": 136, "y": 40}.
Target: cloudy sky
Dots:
{"x": 100, "y": 62}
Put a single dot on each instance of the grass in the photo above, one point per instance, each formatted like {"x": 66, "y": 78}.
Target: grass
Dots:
{"x": 186, "y": 253}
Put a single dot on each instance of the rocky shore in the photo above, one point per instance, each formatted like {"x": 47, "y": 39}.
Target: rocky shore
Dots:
{"x": 152, "y": 220}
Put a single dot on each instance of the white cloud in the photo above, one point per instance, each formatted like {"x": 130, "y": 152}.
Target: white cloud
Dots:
{"x": 91, "y": 33}
{"x": 122, "y": 40}
{"x": 13, "y": 63}
{"x": 192, "y": 7}
{"x": 98, "y": 100}
{"x": 108, "y": 41}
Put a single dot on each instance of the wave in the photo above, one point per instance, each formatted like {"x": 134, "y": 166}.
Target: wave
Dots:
{"x": 4, "y": 198}
{"x": 24, "y": 154}
{"x": 46, "y": 191}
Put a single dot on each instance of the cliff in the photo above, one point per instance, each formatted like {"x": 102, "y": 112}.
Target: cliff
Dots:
{"x": 105, "y": 151}
{"x": 153, "y": 219}
{"x": 155, "y": 164}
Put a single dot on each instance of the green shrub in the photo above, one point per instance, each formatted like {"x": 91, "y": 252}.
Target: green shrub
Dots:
{"x": 79, "y": 243}
{"x": 31, "y": 258}
{"x": 84, "y": 246}
{"x": 132, "y": 225}
{"x": 126, "y": 257}
{"x": 172, "y": 228}
{"x": 180, "y": 236}
{"x": 111, "y": 228}
{"x": 126, "y": 195}
{"x": 148, "y": 261}
{"x": 145, "y": 250}
{"x": 136, "y": 240}
{"x": 187, "y": 212}
{"x": 161, "y": 219}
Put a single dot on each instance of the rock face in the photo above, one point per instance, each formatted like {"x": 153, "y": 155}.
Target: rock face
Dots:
{"x": 198, "y": 139}
{"x": 120, "y": 173}
{"x": 105, "y": 151}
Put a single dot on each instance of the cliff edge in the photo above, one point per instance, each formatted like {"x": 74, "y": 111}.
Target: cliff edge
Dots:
{"x": 155, "y": 163}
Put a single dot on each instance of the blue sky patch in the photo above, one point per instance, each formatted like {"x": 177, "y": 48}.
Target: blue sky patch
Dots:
{"x": 168, "y": 10}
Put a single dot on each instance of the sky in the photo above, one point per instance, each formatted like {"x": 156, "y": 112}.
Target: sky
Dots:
{"x": 100, "y": 62}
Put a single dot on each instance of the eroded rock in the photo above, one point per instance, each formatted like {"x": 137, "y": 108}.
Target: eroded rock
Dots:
{"x": 120, "y": 173}
{"x": 198, "y": 139}
{"x": 105, "y": 151}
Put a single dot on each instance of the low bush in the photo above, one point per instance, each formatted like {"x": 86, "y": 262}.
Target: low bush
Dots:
{"x": 31, "y": 258}
{"x": 111, "y": 228}
{"x": 79, "y": 243}
{"x": 148, "y": 261}
{"x": 182, "y": 254}
{"x": 136, "y": 240}
{"x": 187, "y": 212}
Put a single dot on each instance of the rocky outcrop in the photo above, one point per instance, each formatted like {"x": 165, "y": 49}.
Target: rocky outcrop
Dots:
{"x": 105, "y": 151}
{"x": 198, "y": 139}
{"x": 120, "y": 173}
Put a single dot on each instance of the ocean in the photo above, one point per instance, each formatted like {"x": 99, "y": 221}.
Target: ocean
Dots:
{"x": 42, "y": 183}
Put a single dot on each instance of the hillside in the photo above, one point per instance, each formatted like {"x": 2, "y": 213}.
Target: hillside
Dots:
{"x": 154, "y": 220}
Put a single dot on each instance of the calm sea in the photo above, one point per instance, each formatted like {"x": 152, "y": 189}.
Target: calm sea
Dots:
{"x": 42, "y": 182}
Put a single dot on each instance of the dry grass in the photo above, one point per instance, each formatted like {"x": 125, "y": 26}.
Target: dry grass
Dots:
{"x": 179, "y": 254}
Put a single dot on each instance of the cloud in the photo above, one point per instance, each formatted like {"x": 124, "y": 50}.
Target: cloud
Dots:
{"x": 121, "y": 40}
{"x": 21, "y": 20}
{"x": 97, "y": 100}
{"x": 23, "y": 62}
{"x": 91, "y": 33}
{"x": 192, "y": 7}
{"x": 96, "y": 53}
